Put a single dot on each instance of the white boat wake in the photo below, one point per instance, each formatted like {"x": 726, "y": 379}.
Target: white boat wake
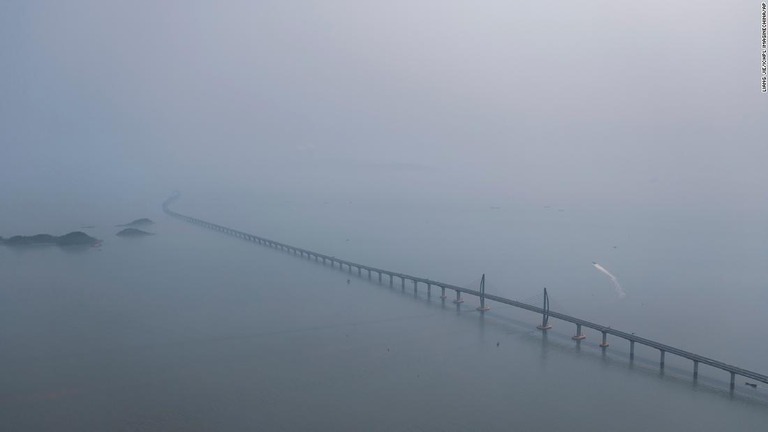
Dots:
{"x": 614, "y": 282}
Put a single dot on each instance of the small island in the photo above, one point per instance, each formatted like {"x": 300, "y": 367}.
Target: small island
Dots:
{"x": 143, "y": 222}
{"x": 133, "y": 232}
{"x": 75, "y": 238}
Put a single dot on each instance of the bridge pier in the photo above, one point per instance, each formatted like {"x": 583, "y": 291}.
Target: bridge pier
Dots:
{"x": 402, "y": 283}
{"x": 579, "y": 335}
{"x": 429, "y": 290}
{"x": 604, "y": 343}
{"x": 733, "y": 380}
{"x": 390, "y": 280}
{"x": 661, "y": 360}
{"x": 482, "y": 307}
{"x": 458, "y": 300}
{"x": 359, "y": 271}
{"x": 695, "y": 370}
{"x": 632, "y": 351}
{"x": 545, "y": 315}
{"x": 442, "y": 295}
{"x": 379, "y": 277}
{"x": 415, "y": 285}
{"x": 369, "y": 273}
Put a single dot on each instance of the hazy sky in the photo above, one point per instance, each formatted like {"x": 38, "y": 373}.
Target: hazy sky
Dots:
{"x": 651, "y": 103}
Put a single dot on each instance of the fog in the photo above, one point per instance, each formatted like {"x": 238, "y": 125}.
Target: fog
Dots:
{"x": 444, "y": 139}
{"x": 590, "y": 103}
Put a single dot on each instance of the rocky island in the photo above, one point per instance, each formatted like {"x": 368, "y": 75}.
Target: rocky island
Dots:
{"x": 75, "y": 238}
{"x": 143, "y": 222}
{"x": 133, "y": 232}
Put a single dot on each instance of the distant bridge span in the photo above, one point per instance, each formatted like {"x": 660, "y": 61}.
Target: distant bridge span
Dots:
{"x": 544, "y": 311}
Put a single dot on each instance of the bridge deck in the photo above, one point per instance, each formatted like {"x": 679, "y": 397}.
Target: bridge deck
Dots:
{"x": 734, "y": 370}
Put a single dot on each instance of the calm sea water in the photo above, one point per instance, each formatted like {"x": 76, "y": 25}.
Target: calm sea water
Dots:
{"x": 191, "y": 330}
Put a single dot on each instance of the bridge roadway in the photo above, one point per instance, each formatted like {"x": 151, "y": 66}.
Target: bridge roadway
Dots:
{"x": 604, "y": 330}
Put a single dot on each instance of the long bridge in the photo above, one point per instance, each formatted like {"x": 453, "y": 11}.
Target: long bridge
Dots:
{"x": 484, "y": 298}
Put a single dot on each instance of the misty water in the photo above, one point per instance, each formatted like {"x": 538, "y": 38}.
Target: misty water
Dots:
{"x": 193, "y": 330}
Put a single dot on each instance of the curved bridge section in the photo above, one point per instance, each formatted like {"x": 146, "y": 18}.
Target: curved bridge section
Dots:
{"x": 402, "y": 278}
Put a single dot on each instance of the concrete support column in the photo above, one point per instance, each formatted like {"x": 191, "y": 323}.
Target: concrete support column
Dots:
{"x": 369, "y": 273}
{"x": 379, "y": 277}
{"x": 661, "y": 359}
{"x": 402, "y": 283}
{"x": 359, "y": 271}
{"x": 579, "y": 335}
{"x": 604, "y": 344}
{"x": 429, "y": 290}
{"x": 483, "y": 307}
{"x": 458, "y": 300}
{"x": 733, "y": 380}
{"x": 695, "y": 370}
{"x": 415, "y": 285}
{"x": 442, "y": 291}
{"x": 390, "y": 280}
{"x": 631, "y": 350}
